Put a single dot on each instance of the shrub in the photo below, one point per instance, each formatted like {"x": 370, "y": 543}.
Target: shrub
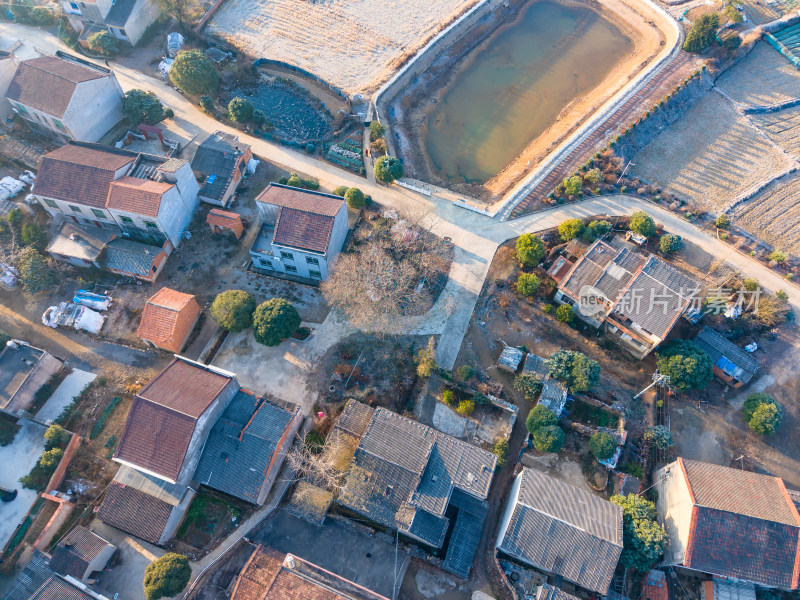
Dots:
{"x": 547, "y": 309}
{"x": 578, "y": 371}
{"x": 688, "y": 366}
{"x": 42, "y": 16}
{"x": 104, "y": 42}
{"x": 32, "y": 235}
{"x": 762, "y": 413}
{"x": 259, "y": 119}
{"x": 101, "y": 420}
{"x": 643, "y": 539}
{"x": 733, "y": 41}
{"x": 233, "y": 310}
{"x": 658, "y": 436}
{"x": 55, "y": 437}
{"x": 206, "y": 103}
{"x": 573, "y": 185}
{"x": 50, "y": 458}
{"x": 465, "y": 408}
{"x": 34, "y": 271}
{"x": 595, "y": 229}
{"x": 167, "y": 576}
{"x": 426, "y": 360}
{"x": 723, "y": 221}
{"x": 642, "y": 224}
{"x": 670, "y": 243}
{"x": 240, "y": 110}
{"x": 194, "y": 73}
{"x": 448, "y": 397}
{"x": 142, "y": 107}
{"x": 355, "y": 198}
{"x": 530, "y": 250}
{"x": 530, "y": 385}
{"x": 294, "y": 181}
{"x": 570, "y": 229}
{"x": 702, "y": 34}
{"x": 465, "y": 372}
{"x": 540, "y": 416}
{"x": 500, "y": 450}
{"x": 603, "y": 445}
{"x": 593, "y": 176}
{"x": 732, "y": 14}
{"x": 340, "y": 191}
{"x": 376, "y": 131}
{"x": 565, "y": 314}
{"x": 751, "y": 284}
{"x": 778, "y": 256}
{"x": 388, "y": 169}
{"x": 479, "y": 398}
{"x": 274, "y": 321}
{"x": 527, "y": 284}
{"x": 548, "y": 439}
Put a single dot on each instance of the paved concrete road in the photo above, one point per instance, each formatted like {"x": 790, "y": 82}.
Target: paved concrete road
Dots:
{"x": 69, "y": 389}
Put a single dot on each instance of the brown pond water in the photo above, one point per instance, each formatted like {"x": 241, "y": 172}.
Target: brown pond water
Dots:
{"x": 513, "y": 89}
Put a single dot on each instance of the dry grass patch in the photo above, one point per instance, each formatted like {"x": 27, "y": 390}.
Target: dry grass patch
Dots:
{"x": 773, "y": 214}
{"x": 783, "y": 128}
{"x": 763, "y": 77}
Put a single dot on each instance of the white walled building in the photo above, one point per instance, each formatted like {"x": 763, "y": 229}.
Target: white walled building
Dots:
{"x": 126, "y": 19}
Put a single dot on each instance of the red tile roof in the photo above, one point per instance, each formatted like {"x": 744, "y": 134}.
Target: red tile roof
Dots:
{"x": 135, "y": 512}
{"x": 140, "y": 196}
{"x": 654, "y": 586}
{"x": 79, "y": 174}
{"x": 303, "y": 230}
{"x": 305, "y": 200}
{"x": 47, "y": 83}
{"x": 185, "y": 387}
{"x": 168, "y": 318}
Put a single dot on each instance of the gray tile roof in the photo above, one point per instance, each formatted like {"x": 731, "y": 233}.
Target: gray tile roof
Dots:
{"x": 553, "y": 396}
{"x": 723, "y": 351}
{"x": 218, "y": 156}
{"x": 120, "y": 13}
{"x": 463, "y": 544}
{"x": 430, "y": 528}
{"x": 75, "y": 552}
{"x": 589, "y": 267}
{"x": 241, "y": 445}
{"x": 469, "y": 504}
{"x": 32, "y": 577}
{"x": 129, "y": 257}
{"x": 535, "y": 365}
{"x": 81, "y": 242}
{"x": 549, "y": 592}
{"x": 564, "y": 530}
{"x": 355, "y": 418}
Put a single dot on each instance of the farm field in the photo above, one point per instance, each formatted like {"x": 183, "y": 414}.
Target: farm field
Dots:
{"x": 712, "y": 155}
{"x": 763, "y": 77}
{"x": 352, "y": 44}
{"x": 773, "y": 214}
{"x": 782, "y": 127}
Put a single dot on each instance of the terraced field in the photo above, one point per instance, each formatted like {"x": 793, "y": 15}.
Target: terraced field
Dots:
{"x": 773, "y": 214}
{"x": 353, "y": 44}
{"x": 783, "y": 128}
{"x": 763, "y": 77}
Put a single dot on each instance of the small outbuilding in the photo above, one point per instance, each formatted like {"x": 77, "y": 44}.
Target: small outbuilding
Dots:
{"x": 168, "y": 319}
{"x": 510, "y": 359}
{"x": 732, "y": 364}
{"x": 82, "y": 554}
{"x": 220, "y": 220}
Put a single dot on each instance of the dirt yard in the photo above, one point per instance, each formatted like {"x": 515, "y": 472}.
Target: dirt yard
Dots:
{"x": 353, "y": 44}
{"x": 713, "y": 155}
{"x": 773, "y": 214}
{"x": 763, "y": 77}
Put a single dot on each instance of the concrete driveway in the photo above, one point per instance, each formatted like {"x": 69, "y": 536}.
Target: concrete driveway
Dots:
{"x": 339, "y": 548}
{"x": 17, "y": 459}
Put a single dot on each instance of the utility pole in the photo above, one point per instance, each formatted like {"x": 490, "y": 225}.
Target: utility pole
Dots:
{"x": 625, "y": 170}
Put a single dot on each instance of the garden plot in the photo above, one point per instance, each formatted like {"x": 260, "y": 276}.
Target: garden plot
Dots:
{"x": 353, "y": 44}
{"x": 713, "y": 155}
{"x": 782, "y": 127}
{"x": 773, "y": 214}
{"x": 762, "y": 78}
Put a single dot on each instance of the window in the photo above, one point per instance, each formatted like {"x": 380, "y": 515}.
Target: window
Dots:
{"x": 151, "y": 225}
{"x": 51, "y": 203}
{"x": 287, "y": 255}
{"x": 98, "y": 213}
{"x": 59, "y": 124}
{"x": 74, "y": 208}
{"x": 312, "y": 261}
{"x": 263, "y": 262}
{"x": 291, "y": 269}
{"x": 127, "y": 220}
{"x": 315, "y": 274}
{"x": 21, "y": 109}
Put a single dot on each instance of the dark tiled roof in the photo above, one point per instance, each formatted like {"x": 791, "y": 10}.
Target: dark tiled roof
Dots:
{"x": 32, "y": 577}
{"x": 120, "y": 13}
{"x": 47, "y": 83}
{"x": 303, "y": 230}
{"x": 127, "y": 256}
{"x": 463, "y": 544}
{"x": 57, "y": 588}
{"x": 553, "y": 396}
{"x": 589, "y": 267}
{"x": 218, "y": 155}
{"x": 549, "y": 592}
{"x": 134, "y": 512}
{"x": 80, "y": 241}
{"x": 564, "y": 530}
{"x": 76, "y": 551}
{"x": 469, "y": 504}
{"x": 135, "y": 195}
{"x": 242, "y": 444}
{"x": 723, "y": 351}
{"x": 80, "y": 173}
{"x": 430, "y": 528}
{"x": 355, "y": 418}
{"x": 535, "y": 365}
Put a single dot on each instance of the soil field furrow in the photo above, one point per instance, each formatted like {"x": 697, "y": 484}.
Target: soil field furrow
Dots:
{"x": 773, "y": 214}
{"x": 783, "y": 128}
{"x": 762, "y": 78}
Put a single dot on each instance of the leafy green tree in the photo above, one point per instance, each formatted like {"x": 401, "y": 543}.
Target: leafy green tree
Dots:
{"x": 762, "y": 413}
{"x": 500, "y": 450}
{"x": 233, "y": 310}
{"x": 355, "y": 198}
{"x": 530, "y": 385}
{"x": 643, "y": 539}
{"x": 104, "y": 42}
{"x": 751, "y": 284}
{"x": 527, "y": 284}
{"x": 194, "y": 73}
{"x": 570, "y": 229}
{"x": 294, "y": 181}
{"x": 658, "y": 436}
{"x": 50, "y": 458}
{"x": 734, "y": 16}
{"x": 259, "y": 119}
{"x": 426, "y": 360}
{"x": 778, "y": 256}
{"x": 603, "y": 445}
{"x": 240, "y": 110}
{"x": 688, "y": 366}
{"x": 578, "y": 371}
{"x": 530, "y": 250}
{"x": 207, "y": 104}
{"x": 388, "y": 169}
{"x": 565, "y": 314}
{"x": 594, "y": 176}
{"x": 142, "y": 107}
{"x": 376, "y": 130}
{"x": 596, "y": 228}
{"x": 167, "y": 576}
{"x": 702, "y": 34}
{"x": 448, "y": 397}
{"x": 465, "y": 408}
{"x": 42, "y": 16}
{"x": 34, "y": 271}
{"x": 723, "y": 221}
{"x": 340, "y": 191}
{"x": 274, "y": 321}
{"x": 32, "y": 235}
{"x": 549, "y": 438}
{"x": 643, "y": 224}
{"x": 540, "y": 416}
{"x": 670, "y": 243}
{"x": 573, "y": 185}
{"x": 465, "y": 372}
{"x": 55, "y": 436}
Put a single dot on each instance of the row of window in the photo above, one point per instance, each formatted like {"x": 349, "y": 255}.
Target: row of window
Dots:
{"x": 290, "y": 268}
{"x": 48, "y": 121}
{"x": 289, "y": 256}
{"x": 97, "y": 213}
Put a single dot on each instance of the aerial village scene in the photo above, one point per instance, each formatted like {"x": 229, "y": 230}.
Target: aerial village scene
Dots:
{"x": 399, "y": 299}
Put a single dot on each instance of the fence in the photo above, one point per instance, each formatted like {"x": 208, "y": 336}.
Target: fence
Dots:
{"x": 279, "y": 64}
{"x": 418, "y": 187}
{"x": 61, "y": 469}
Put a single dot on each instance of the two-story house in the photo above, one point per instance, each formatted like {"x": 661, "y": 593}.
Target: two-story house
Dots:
{"x": 150, "y": 198}
{"x": 8, "y": 68}
{"x": 66, "y": 98}
{"x": 302, "y": 232}
{"x": 126, "y": 19}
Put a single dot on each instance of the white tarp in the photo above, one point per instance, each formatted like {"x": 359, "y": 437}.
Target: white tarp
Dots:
{"x": 68, "y": 314}
{"x": 93, "y": 301}
{"x": 15, "y": 186}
